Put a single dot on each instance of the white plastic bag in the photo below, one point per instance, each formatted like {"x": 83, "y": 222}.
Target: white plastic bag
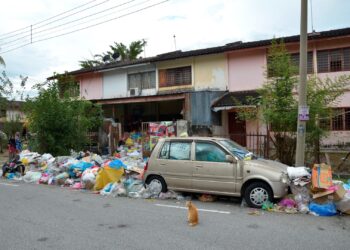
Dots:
{"x": 296, "y": 172}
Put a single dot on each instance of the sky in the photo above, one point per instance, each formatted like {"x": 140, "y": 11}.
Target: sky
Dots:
{"x": 195, "y": 23}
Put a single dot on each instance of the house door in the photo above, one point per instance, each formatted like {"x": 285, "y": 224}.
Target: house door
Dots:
{"x": 237, "y": 129}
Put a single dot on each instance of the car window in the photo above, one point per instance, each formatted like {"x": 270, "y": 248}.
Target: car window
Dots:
{"x": 209, "y": 152}
{"x": 164, "y": 153}
{"x": 236, "y": 149}
{"x": 180, "y": 151}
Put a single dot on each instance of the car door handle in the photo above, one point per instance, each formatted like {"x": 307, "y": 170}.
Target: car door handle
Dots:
{"x": 199, "y": 166}
{"x": 162, "y": 164}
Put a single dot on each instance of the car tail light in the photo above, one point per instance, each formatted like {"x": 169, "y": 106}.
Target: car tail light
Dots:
{"x": 146, "y": 167}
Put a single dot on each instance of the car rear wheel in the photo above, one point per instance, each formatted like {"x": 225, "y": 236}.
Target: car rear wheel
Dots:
{"x": 157, "y": 183}
{"x": 257, "y": 193}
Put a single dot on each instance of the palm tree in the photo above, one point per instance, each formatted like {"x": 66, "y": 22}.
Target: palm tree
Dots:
{"x": 2, "y": 62}
{"x": 117, "y": 52}
{"x": 129, "y": 53}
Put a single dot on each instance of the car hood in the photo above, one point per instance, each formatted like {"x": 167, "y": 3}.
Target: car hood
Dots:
{"x": 267, "y": 164}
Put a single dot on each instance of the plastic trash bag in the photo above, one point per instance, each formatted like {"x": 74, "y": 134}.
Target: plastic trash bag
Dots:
{"x": 107, "y": 175}
{"x": 168, "y": 195}
{"x": 344, "y": 204}
{"x": 116, "y": 164}
{"x": 32, "y": 177}
{"x": 296, "y": 172}
{"x": 79, "y": 167}
{"x": 133, "y": 185}
{"x": 302, "y": 202}
{"x": 267, "y": 205}
{"x": 108, "y": 189}
{"x": 44, "y": 179}
{"x": 287, "y": 202}
{"x": 327, "y": 209}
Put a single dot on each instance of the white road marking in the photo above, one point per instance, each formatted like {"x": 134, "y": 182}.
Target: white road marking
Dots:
{"x": 8, "y": 184}
{"x": 199, "y": 209}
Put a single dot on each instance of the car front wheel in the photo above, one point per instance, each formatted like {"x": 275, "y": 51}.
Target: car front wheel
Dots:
{"x": 157, "y": 184}
{"x": 257, "y": 193}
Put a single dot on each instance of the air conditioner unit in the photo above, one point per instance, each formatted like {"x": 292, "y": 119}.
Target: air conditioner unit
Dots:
{"x": 134, "y": 91}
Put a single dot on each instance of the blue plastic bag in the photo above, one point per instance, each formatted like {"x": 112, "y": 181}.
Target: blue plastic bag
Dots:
{"x": 80, "y": 166}
{"x": 327, "y": 209}
{"x": 116, "y": 164}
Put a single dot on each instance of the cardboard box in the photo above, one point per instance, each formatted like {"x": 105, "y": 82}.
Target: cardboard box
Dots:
{"x": 321, "y": 176}
{"x": 323, "y": 199}
{"x": 322, "y": 194}
{"x": 339, "y": 194}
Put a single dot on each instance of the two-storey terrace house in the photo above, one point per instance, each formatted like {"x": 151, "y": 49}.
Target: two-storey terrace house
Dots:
{"x": 198, "y": 85}
{"x": 328, "y": 56}
{"x": 167, "y": 87}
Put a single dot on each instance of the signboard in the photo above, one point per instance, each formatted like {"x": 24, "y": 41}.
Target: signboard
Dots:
{"x": 303, "y": 113}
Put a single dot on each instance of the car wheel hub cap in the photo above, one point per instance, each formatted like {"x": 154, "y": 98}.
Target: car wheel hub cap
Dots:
{"x": 258, "y": 196}
{"x": 155, "y": 187}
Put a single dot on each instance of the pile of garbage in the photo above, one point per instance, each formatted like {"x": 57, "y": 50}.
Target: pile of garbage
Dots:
{"x": 119, "y": 175}
{"x": 314, "y": 192}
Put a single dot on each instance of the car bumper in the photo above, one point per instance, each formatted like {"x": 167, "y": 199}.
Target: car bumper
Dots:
{"x": 279, "y": 189}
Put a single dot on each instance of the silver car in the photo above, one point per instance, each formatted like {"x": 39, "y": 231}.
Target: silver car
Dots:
{"x": 216, "y": 166}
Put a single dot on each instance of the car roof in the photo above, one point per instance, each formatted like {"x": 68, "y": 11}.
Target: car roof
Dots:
{"x": 194, "y": 138}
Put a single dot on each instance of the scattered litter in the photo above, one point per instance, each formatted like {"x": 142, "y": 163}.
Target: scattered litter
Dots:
{"x": 207, "y": 198}
{"x": 254, "y": 212}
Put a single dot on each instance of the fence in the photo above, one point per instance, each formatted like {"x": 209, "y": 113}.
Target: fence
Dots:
{"x": 256, "y": 143}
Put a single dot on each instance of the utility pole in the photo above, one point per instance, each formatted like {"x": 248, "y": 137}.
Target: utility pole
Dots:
{"x": 303, "y": 112}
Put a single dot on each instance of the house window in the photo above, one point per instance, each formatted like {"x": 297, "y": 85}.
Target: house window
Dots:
{"x": 175, "y": 77}
{"x": 341, "y": 119}
{"x": 333, "y": 60}
{"x": 144, "y": 80}
{"x": 295, "y": 58}
{"x": 347, "y": 118}
{"x": 2, "y": 113}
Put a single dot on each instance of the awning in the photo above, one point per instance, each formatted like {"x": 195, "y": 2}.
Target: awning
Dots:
{"x": 231, "y": 100}
{"x": 138, "y": 99}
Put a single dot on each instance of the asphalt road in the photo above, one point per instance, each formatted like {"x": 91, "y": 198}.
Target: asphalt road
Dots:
{"x": 50, "y": 217}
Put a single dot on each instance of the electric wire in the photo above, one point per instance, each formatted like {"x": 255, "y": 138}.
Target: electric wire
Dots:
{"x": 90, "y": 26}
{"x": 82, "y": 5}
{"x": 35, "y": 28}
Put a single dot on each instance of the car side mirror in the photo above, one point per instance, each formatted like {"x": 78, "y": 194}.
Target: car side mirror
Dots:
{"x": 230, "y": 159}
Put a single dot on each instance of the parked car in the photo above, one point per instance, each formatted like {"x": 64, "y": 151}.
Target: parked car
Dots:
{"x": 216, "y": 166}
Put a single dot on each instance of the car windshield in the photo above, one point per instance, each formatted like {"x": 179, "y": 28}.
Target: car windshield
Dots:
{"x": 236, "y": 149}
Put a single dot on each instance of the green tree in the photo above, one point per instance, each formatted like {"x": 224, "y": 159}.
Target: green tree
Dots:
{"x": 117, "y": 52}
{"x": 60, "y": 123}
{"x": 2, "y": 61}
{"x": 278, "y": 107}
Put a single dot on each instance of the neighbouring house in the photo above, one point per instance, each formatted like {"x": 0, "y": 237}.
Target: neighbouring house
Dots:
{"x": 12, "y": 111}
{"x": 328, "y": 56}
{"x": 200, "y": 85}
{"x": 171, "y": 86}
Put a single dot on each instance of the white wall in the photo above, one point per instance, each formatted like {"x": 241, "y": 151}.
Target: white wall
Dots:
{"x": 115, "y": 84}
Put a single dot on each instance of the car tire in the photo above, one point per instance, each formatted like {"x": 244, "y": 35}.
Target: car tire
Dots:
{"x": 257, "y": 193}
{"x": 159, "y": 180}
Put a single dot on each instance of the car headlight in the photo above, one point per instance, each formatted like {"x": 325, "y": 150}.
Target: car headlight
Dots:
{"x": 284, "y": 178}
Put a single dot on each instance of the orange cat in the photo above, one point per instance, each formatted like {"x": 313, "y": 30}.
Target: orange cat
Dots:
{"x": 192, "y": 214}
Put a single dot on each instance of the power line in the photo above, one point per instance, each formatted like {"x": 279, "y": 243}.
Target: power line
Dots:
{"x": 35, "y": 28}
{"x": 43, "y": 35}
{"x": 93, "y": 25}
{"x": 50, "y": 18}
{"x": 10, "y": 43}
{"x": 94, "y": 19}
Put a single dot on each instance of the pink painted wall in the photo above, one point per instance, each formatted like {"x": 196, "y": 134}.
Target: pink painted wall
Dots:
{"x": 91, "y": 86}
{"x": 246, "y": 69}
